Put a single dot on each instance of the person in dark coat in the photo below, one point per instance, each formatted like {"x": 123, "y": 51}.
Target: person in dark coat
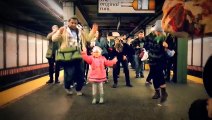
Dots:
{"x": 171, "y": 60}
{"x": 50, "y": 55}
{"x": 119, "y": 51}
{"x": 131, "y": 53}
{"x": 157, "y": 62}
{"x": 148, "y": 39}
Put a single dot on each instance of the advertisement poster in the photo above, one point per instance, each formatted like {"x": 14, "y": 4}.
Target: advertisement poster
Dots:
{"x": 126, "y": 6}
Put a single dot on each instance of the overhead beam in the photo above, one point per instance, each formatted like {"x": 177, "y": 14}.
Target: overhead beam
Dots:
{"x": 83, "y": 12}
{"x": 145, "y": 22}
{"x": 90, "y": 2}
{"x": 126, "y": 26}
{"x": 80, "y": 16}
{"x": 138, "y": 26}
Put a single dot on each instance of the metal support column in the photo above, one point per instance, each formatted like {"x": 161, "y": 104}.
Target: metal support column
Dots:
{"x": 182, "y": 48}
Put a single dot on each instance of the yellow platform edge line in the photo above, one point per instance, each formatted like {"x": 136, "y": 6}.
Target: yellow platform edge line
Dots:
{"x": 19, "y": 91}
{"x": 195, "y": 79}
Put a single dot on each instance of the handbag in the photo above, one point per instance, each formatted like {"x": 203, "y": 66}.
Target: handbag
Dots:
{"x": 143, "y": 55}
{"x": 68, "y": 54}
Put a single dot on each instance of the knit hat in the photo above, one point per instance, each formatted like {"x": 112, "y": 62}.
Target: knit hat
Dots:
{"x": 97, "y": 49}
{"x": 158, "y": 26}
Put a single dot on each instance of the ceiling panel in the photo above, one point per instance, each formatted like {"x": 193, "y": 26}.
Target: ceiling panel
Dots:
{"x": 37, "y": 15}
{"x": 29, "y": 14}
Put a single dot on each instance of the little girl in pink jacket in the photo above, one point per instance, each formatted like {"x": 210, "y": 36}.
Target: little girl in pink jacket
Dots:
{"x": 97, "y": 73}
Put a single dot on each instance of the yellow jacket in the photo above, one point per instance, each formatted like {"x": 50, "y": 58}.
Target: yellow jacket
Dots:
{"x": 64, "y": 38}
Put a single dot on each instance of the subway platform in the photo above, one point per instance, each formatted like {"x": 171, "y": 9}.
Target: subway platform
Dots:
{"x": 50, "y": 102}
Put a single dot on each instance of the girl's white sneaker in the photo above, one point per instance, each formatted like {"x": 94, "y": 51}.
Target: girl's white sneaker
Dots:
{"x": 94, "y": 101}
{"x": 101, "y": 100}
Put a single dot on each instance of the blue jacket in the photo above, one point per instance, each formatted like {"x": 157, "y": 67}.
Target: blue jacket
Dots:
{"x": 102, "y": 43}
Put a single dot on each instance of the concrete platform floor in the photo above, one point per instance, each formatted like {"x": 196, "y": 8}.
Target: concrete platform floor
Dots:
{"x": 122, "y": 103}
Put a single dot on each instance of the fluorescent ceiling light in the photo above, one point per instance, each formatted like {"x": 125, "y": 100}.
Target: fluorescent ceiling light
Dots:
{"x": 55, "y": 6}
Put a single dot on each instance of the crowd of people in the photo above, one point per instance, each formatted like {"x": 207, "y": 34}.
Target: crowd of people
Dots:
{"x": 85, "y": 58}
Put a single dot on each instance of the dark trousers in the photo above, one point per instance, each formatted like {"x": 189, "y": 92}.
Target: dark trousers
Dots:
{"x": 86, "y": 68}
{"x": 51, "y": 62}
{"x": 174, "y": 78}
{"x": 106, "y": 68}
{"x": 168, "y": 69}
{"x": 116, "y": 69}
{"x": 157, "y": 75}
{"x": 149, "y": 77}
{"x": 74, "y": 72}
{"x": 171, "y": 63}
{"x": 130, "y": 59}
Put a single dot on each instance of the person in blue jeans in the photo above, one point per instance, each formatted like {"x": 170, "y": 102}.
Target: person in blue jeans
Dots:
{"x": 72, "y": 39}
{"x": 138, "y": 44}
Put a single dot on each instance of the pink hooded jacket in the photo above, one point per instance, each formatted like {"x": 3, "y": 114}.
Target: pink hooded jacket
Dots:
{"x": 97, "y": 73}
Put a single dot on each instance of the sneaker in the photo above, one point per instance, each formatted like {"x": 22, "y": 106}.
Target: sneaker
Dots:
{"x": 101, "y": 101}
{"x": 156, "y": 95}
{"x": 129, "y": 85}
{"x": 141, "y": 76}
{"x": 69, "y": 91}
{"x": 164, "y": 95}
{"x": 49, "y": 81}
{"x": 137, "y": 76}
{"x": 148, "y": 83}
{"x": 94, "y": 101}
{"x": 114, "y": 86}
{"x": 79, "y": 93}
{"x": 85, "y": 83}
{"x": 56, "y": 82}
